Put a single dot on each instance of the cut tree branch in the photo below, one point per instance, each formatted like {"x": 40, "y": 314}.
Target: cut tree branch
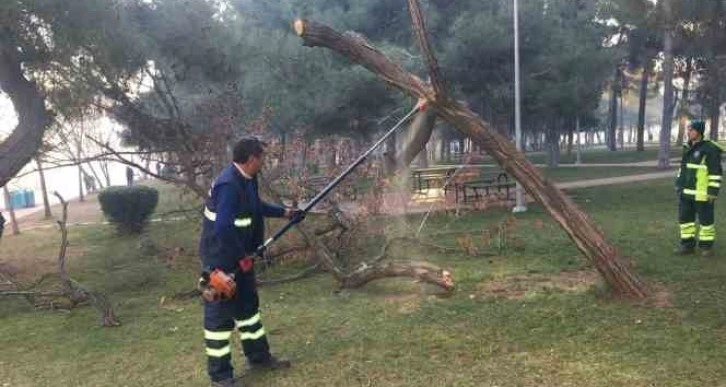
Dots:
{"x": 419, "y": 28}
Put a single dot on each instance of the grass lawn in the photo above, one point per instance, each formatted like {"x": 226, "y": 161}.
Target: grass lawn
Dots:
{"x": 505, "y": 325}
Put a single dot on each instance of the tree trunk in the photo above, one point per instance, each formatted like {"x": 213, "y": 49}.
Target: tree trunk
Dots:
{"x": 664, "y": 153}
{"x": 621, "y": 127}
{"x": 589, "y": 239}
{"x": 414, "y": 139}
{"x": 570, "y": 139}
{"x": 43, "y": 189}
{"x": 553, "y": 147}
{"x": 11, "y": 210}
{"x": 683, "y": 112}
{"x": 81, "y": 196}
{"x": 640, "y": 142}
{"x": 20, "y": 147}
{"x": 611, "y": 134}
{"x": 715, "y": 116}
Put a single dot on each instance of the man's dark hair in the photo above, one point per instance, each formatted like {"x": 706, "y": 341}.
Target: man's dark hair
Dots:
{"x": 247, "y": 147}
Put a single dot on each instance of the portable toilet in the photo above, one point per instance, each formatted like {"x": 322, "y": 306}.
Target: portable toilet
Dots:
{"x": 29, "y": 198}
{"x": 17, "y": 199}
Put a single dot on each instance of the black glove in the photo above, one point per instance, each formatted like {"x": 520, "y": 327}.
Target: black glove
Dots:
{"x": 297, "y": 216}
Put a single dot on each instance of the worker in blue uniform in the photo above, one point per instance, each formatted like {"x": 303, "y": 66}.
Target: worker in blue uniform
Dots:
{"x": 233, "y": 227}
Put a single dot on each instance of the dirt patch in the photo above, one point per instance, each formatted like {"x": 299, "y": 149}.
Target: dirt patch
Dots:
{"x": 660, "y": 297}
{"x": 516, "y": 287}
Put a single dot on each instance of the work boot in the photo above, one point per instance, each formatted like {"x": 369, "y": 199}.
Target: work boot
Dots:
{"x": 271, "y": 364}
{"x": 706, "y": 253}
{"x": 231, "y": 382}
{"x": 685, "y": 250}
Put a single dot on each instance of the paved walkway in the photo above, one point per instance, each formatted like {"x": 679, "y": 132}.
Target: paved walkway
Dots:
{"x": 616, "y": 180}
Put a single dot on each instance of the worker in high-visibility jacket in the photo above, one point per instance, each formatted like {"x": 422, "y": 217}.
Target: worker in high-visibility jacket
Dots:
{"x": 698, "y": 183}
{"x": 233, "y": 228}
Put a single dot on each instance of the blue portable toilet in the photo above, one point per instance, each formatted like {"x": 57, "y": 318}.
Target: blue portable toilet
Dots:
{"x": 29, "y": 198}
{"x": 17, "y": 199}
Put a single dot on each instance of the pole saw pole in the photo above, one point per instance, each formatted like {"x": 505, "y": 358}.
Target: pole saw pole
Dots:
{"x": 261, "y": 249}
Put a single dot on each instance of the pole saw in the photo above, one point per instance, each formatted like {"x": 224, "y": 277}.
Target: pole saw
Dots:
{"x": 421, "y": 106}
{"x": 217, "y": 285}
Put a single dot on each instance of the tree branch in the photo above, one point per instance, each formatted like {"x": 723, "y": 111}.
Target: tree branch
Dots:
{"x": 419, "y": 28}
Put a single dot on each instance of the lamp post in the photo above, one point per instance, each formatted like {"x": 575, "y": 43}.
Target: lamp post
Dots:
{"x": 519, "y": 191}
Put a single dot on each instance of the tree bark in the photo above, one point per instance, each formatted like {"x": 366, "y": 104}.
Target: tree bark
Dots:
{"x": 43, "y": 189}
{"x": 683, "y": 111}
{"x": 20, "y": 147}
{"x": 588, "y": 238}
{"x": 11, "y": 210}
{"x": 715, "y": 117}
{"x": 667, "y": 118}
{"x": 81, "y": 195}
{"x": 415, "y": 138}
{"x": 640, "y": 142}
{"x": 613, "y": 121}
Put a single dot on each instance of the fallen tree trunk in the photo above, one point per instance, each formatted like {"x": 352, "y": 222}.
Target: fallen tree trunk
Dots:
{"x": 421, "y": 271}
{"x": 588, "y": 238}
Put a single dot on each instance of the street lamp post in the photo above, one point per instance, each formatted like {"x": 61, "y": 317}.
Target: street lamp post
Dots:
{"x": 519, "y": 191}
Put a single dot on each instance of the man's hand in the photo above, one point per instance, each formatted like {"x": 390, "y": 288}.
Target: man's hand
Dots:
{"x": 711, "y": 198}
{"x": 295, "y": 215}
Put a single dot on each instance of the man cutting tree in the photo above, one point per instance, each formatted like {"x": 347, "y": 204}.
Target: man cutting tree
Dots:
{"x": 233, "y": 228}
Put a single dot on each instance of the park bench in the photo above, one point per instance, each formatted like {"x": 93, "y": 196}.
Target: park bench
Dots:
{"x": 485, "y": 186}
{"x": 313, "y": 185}
{"x": 425, "y": 179}
{"x": 457, "y": 178}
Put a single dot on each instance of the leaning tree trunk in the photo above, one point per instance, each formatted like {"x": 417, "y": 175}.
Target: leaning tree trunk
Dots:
{"x": 664, "y": 153}
{"x": 20, "y": 147}
{"x": 640, "y": 146}
{"x": 589, "y": 239}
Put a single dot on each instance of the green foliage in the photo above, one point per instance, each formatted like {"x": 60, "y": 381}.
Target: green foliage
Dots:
{"x": 129, "y": 208}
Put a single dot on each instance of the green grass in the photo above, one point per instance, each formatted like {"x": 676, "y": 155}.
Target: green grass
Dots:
{"x": 394, "y": 333}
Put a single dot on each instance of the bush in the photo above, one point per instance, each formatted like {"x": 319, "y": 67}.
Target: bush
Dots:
{"x": 129, "y": 208}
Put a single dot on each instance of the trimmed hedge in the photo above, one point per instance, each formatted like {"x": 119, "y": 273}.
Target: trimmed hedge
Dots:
{"x": 129, "y": 208}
